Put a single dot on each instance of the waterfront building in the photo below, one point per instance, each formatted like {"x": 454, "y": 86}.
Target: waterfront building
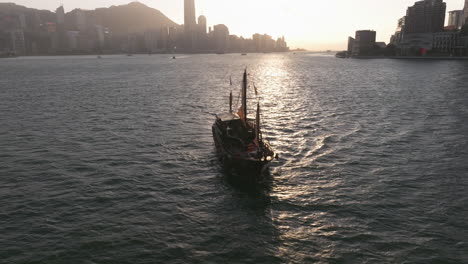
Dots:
{"x": 190, "y": 25}
{"x": 17, "y": 42}
{"x": 363, "y": 42}
{"x": 79, "y": 20}
{"x": 465, "y": 13}
{"x": 101, "y": 36}
{"x": 427, "y": 16}
{"x": 350, "y": 46}
{"x": 202, "y": 25}
{"x": 22, "y": 21}
{"x": 201, "y": 39}
{"x": 60, "y": 37}
{"x": 60, "y": 12}
{"x": 281, "y": 45}
{"x": 163, "y": 38}
{"x": 416, "y": 44}
{"x": 151, "y": 41}
{"x": 221, "y": 38}
{"x": 456, "y": 19}
{"x": 446, "y": 43}
{"x": 73, "y": 39}
{"x": 397, "y": 37}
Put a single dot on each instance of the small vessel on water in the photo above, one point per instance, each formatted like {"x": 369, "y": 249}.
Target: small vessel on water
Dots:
{"x": 239, "y": 139}
{"x": 9, "y": 54}
{"x": 342, "y": 54}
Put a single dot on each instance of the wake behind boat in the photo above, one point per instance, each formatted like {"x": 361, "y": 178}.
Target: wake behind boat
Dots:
{"x": 239, "y": 139}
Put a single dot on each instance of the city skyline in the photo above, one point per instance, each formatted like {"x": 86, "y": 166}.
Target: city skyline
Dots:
{"x": 294, "y": 20}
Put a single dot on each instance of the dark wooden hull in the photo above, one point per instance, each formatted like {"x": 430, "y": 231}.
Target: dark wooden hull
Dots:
{"x": 242, "y": 164}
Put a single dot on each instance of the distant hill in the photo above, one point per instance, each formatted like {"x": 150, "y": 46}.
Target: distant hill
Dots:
{"x": 14, "y": 9}
{"x": 133, "y": 18}
{"x": 121, "y": 20}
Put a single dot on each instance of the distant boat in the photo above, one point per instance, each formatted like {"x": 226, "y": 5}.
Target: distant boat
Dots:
{"x": 342, "y": 54}
{"x": 129, "y": 55}
{"x": 99, "y": 57}
{"x": 239, "y": 139}
{"x": 244, "y": 54}
{"x": 173, "y": 57}
{"x": 8, "y": 55}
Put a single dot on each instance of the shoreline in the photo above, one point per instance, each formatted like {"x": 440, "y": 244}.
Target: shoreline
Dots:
{"x": 133, "y": 54}
{"x": 411, "y": 57}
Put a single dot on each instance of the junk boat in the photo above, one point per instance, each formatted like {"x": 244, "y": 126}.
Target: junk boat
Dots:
{"x": 239, "y": 140}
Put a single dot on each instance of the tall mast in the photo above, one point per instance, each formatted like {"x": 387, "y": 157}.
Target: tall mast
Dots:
{"x": 230, "y": 102}
{"x": 257, "y": 125}
{"x": 244, "y": 95}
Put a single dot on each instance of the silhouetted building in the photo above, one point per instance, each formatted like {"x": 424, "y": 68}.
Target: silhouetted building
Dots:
{"x": 446, "y": 42}
{"x": 202, "y": 24}
{"x": 456, "y": 19}
{"x": 34, "y": 32}
{"x": 363, "y": 42}
{"x": 201, "y": 39}
{"x": 190, "y": 24}
{"x": 221, "y": 38}
{"x": 397, "y": 37}
{"x": 281, "y": 45}
{"x": 350, "y": 46}
{"x": 151, "y": 41}
{"x": 80, "y": 21}
{"x": 73, "y": 40}
{"x": 60, "y": 37}
{"x": 18, "y": 44}
{"x": 60, "y": 12}
{"x": 416, "y": 44}
{"x": 465, "y": 13}
{"x": 426, "y": 16}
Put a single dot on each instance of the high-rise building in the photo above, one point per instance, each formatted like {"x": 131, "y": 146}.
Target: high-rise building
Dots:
{"x": 80, "y": 20}
{"x": 350, "y": 46}
{"x": 60, "y": 38}
{"x": 456, "y": 19}
{"x": 363, "y": 42}
{"x": 18, "y": 44}
{"x": 427, "y": 16}
{"x": 201, "y": 39}
{"x": 202, "y": 24}
{"x": 190, "y": 24}
{"x": 465, "y": 12}
{"x": 60, "y": 12}
{"x": 221, "y": 38}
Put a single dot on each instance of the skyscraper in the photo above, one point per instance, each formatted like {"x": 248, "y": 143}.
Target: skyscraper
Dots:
{"x": 202, "y": 24}
{"x": 190, "y": 24}
{"x": 364, "y": 42}
{"x": 221, "y": 37}
{"x": 465, "y": 12}
{"x": 427, "y": 16}
{"x": 456, "y": 19}
{"x": 60, "y": 12}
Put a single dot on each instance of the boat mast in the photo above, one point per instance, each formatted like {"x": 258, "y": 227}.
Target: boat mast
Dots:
{"x": 244, "y": 95}
{"x": 230, "y": 103}
{"x": 257, "y": 125}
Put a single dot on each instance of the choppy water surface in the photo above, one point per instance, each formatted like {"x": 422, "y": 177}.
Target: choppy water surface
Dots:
{"x": 112, "y": 161}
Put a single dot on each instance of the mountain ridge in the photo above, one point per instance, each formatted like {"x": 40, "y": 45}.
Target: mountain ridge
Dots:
{"x": 131, "y": 18}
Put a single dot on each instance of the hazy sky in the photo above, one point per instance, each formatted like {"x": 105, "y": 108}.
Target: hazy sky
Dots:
{"x": 311, "y": 24}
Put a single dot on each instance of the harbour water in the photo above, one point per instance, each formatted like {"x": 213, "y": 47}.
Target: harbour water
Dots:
{"x": 112, "y": 161}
